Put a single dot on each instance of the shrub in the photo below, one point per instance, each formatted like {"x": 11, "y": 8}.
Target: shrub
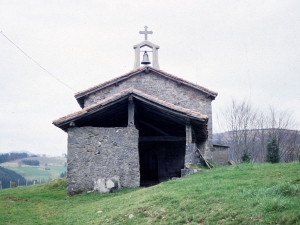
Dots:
{"x": 273, "y": 151}
{"x": 245, "y": 157}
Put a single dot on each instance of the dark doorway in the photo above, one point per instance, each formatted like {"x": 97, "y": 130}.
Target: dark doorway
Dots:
{"x": 148, "y": 167}
{"x": 160, "y": 161}
{"x": 161, "y": 143}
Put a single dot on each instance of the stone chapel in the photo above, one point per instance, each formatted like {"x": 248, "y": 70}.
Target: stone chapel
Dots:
{"x": 144, "y": 127}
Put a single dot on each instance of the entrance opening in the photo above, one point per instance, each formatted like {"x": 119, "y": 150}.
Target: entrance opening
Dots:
{"x": 148, "y": 167}
{"x": 162, "y": 143}
{"x": 160, "y": 161}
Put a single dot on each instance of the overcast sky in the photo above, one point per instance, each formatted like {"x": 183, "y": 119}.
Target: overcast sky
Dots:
{"x": 242, "y": 49}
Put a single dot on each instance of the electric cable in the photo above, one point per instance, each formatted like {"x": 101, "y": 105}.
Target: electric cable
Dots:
{"x": 36, "y": 62}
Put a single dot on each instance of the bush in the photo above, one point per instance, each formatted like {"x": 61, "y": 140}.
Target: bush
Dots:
{"x": 245, "y": 157}
{"x": 273, "y": 151}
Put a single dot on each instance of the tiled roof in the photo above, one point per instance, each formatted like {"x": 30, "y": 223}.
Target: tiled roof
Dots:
{"x": 122, "y": 94}
{"x": 81, "y": 94}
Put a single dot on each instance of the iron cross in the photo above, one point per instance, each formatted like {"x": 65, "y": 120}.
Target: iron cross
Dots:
{"x": 146, "y": 32}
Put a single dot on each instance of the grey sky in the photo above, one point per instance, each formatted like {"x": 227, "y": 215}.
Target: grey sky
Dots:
{"x": 242, "y": 49}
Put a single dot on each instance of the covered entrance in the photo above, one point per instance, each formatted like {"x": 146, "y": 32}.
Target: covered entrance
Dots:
{"x": 166, "y": 131}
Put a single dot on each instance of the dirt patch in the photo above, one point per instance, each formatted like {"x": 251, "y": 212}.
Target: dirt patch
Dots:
{"x": 12, "y": 199}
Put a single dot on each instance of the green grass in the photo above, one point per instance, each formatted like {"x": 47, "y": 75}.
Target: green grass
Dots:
{"x": 241, "y": 194}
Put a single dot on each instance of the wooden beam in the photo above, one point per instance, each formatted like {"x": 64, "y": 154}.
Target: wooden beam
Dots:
{"x": 154, "y": 127}
{"x": 208, "y": 164}
{"x": 130, "y": 111}
{"x": 161, "y": 138}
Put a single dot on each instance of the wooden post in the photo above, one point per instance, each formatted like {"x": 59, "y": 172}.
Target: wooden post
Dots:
{"x": 188, "y": 131}
{"x": 130, "y": 111}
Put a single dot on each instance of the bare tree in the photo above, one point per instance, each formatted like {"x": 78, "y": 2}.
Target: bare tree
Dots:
{"x": 248, "y": 130}
{"x": 238, "y": 118}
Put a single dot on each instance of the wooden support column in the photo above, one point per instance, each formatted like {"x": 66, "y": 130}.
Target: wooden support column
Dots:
{"x": 189, "y": 157}
{"x": 188, "y": 131}
{"x": 130, "y": 111}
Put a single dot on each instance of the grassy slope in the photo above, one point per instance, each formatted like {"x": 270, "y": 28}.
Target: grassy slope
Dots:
{"x": 242, "y": 194}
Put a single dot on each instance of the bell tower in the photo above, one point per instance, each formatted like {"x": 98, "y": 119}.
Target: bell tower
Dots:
{"x": 137, "y": 49}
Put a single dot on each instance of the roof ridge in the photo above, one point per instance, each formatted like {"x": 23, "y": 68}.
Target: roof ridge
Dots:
{"x": 132, "y": 72}
{"x": 111, "y": 81}
{"x": 186, "y": 81}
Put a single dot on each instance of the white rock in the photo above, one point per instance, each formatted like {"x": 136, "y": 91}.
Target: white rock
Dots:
{"x": 130, "y": 216}
{"x": 100, "y": 186}
{"x": 110, "y": 184}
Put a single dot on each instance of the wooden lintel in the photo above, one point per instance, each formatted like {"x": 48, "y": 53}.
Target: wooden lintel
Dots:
{"x": 154, "y": 127}
{"x": 161, "y": 138}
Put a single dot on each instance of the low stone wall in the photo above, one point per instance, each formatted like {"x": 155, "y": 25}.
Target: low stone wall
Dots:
{"x": 101, "y": 153}
{"x": 220, "y": 154}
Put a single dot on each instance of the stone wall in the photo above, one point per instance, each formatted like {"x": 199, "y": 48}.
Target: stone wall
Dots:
{"x": 219, "y": 155}
{"x": 95, "y": 153}
{"x": 164, "y": 89}
{"x": 191, "y": 155}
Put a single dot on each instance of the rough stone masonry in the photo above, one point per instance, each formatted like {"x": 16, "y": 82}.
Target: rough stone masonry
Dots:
{"x": 96, "y": 152}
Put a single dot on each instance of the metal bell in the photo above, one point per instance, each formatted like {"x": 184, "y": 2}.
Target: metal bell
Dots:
{"x": 145, "y": 59}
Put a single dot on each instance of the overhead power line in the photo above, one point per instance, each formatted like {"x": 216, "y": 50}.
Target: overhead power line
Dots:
{"x": 36, "y": 62}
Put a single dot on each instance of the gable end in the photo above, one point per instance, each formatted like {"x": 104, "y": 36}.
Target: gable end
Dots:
{"x": 80, "y": 96}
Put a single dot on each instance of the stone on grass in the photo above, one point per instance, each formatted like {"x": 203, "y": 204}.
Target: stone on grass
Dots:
{"x": 103, "y": 185}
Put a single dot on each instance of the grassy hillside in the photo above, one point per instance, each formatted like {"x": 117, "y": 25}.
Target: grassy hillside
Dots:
{"x": 56, "y": 165}
{"x": 241, "y": 194}
{"x": 6, "y": 176}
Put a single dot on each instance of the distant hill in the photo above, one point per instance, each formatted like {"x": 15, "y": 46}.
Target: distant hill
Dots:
{"x": 7, "y": 175}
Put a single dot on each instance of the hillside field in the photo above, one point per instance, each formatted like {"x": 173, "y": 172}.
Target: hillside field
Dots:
{"x": 55, "y": 164}
{"x": 239, "y": 194}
